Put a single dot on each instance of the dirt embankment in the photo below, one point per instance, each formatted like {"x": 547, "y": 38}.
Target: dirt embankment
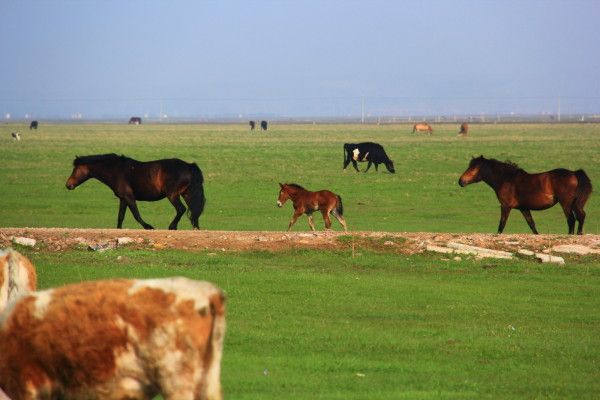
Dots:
{"x": 59, "y": 239}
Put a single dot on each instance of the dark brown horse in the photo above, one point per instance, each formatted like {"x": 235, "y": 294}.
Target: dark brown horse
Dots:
{"x": 306, "y": 202}
{"x": 133, "y": 180}
{"x": 515, "y": 188}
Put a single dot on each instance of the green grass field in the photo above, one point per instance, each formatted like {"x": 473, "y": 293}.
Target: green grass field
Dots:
{"x": 324, "y": 324}
{"x": 242, "y": 170}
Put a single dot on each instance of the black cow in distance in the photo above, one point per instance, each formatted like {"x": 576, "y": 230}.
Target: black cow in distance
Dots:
{"x": 33, "y": 125}
{"x": 370, "y": 152}
{"x": 263, "y": 125}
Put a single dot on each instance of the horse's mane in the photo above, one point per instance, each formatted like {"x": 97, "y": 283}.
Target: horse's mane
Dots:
{"x": 295, "y": 185}
{"x": 506, "y": 167}
{"x": 97, "y": 158}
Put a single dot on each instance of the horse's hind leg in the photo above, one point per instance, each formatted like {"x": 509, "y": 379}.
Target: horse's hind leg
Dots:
{"x": 179, "y": 207}
{"x": 580, "y": 214}
{"x": 568, "y": 209}
{"x": 529, "y": 219}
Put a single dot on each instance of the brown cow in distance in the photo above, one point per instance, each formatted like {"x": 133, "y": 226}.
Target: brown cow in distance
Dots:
{"x": 422, "y": 127}
{"x": 464, "y": 129}
{"x": 115, "y": 339}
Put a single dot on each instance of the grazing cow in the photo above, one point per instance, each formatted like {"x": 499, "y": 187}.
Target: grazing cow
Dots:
{"x": 17, "y": 277}
{"x": 367, "y": 151}
{"x": 422, "y": 127}
{"x": 15, "y": 135}
{"x": 115, "y": 339}
{"x": 464, "y": 129}
{"x": 33, "y": 125}
{"x": 135, "y": 121}
{"x": 252, "y": 125}
{"x": 263, "y": 125}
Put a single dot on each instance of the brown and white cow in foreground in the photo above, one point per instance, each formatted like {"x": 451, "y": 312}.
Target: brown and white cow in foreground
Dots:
{"x": 115, "y": 339}
{"x": 17, "y": 277}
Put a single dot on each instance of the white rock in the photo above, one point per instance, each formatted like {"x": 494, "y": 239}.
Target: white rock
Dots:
{"x": 124, "y": 240}
{"x": 23, "y": 241}
{"x": 574, "y": 249}
{"x": 547, "y": 258}
{"x": 480, "y": 252}
{"x": 439, "y": 249}
{"x": 526, "y": 252}
{"x": 388, "y": 243}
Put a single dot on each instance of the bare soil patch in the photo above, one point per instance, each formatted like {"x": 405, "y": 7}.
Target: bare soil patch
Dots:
{"x": 59, "y": 239}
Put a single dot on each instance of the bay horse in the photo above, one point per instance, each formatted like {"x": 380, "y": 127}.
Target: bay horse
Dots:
{"x": 518, "y": 189}
{"x": 422, "y": 127}
{"x": 307, "y": 202}
{"x": 133, "y": 180}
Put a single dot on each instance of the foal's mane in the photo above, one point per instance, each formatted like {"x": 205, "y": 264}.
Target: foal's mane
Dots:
{"x": 98, "y": 158}
{"x": 295, "y": 185}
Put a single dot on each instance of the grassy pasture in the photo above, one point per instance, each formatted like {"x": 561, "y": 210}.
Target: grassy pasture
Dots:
{"x": 242, "y": 168}
{"x": 308, "y": 324}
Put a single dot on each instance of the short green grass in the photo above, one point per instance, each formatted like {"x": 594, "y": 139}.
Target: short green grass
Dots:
{"x": 242, "y": 169}
{"x": 309, "y": 324}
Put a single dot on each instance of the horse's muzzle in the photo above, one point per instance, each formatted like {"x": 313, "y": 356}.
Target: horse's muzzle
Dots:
{"x": 70, "y": 186}
{"x": 279, "y": 204}
{"x": 461, "y": 183}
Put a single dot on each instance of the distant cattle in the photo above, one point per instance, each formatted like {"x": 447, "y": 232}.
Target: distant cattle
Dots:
{"x": 422, "y": 127}
{"x": 371, "y": 152}
{"x": 17, "y": 277}
{"x": 464, "y": 129}
{"x": 33, "y": 125}
{"x": 135, "y": 121}
{"x": 252, "y": 125}
{"x": 115, "y": 339}
{"x": 15, "y": 135}
{"x": 263, "y": 125}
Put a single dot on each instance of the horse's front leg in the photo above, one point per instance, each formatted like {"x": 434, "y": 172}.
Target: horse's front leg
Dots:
{"x": 529, "y": 219}
{"x": 136, "y": 214}
{"x": 121, "y": 216}
{"x": 504, "y": 211}
{"x": 295, "y": 217}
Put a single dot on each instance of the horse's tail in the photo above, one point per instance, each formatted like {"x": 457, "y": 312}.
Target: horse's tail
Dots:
{"x": 584, "y": 188}
{"x": 339, "y": 207}
{"x": 195, "y": 195}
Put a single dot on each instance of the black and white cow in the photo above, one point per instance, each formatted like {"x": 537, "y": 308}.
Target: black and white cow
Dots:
{"x": 15, "y": 135}
{"x": 371, "y": 152}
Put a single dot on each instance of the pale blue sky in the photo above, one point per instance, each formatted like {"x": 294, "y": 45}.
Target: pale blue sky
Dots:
{"x": 297, "y": 57}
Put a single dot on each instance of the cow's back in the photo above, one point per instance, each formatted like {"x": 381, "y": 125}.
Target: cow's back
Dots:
{"x": 130, "y": 338}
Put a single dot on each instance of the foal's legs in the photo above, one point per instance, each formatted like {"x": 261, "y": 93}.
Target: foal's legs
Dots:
{"x": 340, "y": 219}
{"x": 295, "y": 217}
{"x": 529, "y": 219}
{"x": 568, "y": 209}
{"x": 326, "y": 218}
{"x": 504, "y": 211}
{"x": 179, "y": 207}
{"x": 311, "y": 222}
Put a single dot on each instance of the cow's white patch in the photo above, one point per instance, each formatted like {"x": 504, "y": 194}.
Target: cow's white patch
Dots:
{"x": 366, "y": 157}
{"x": 184, "y": 289}
{"x": 42, "y": 300}
{"x": 355, "y": 154}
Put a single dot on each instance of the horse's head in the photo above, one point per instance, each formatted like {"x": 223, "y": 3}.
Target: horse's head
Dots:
{"x": 283, "y": 195}
{"x": 390, "y": 166}
{"x": 80, "y": 174}
{"x": 473, "y": 172}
